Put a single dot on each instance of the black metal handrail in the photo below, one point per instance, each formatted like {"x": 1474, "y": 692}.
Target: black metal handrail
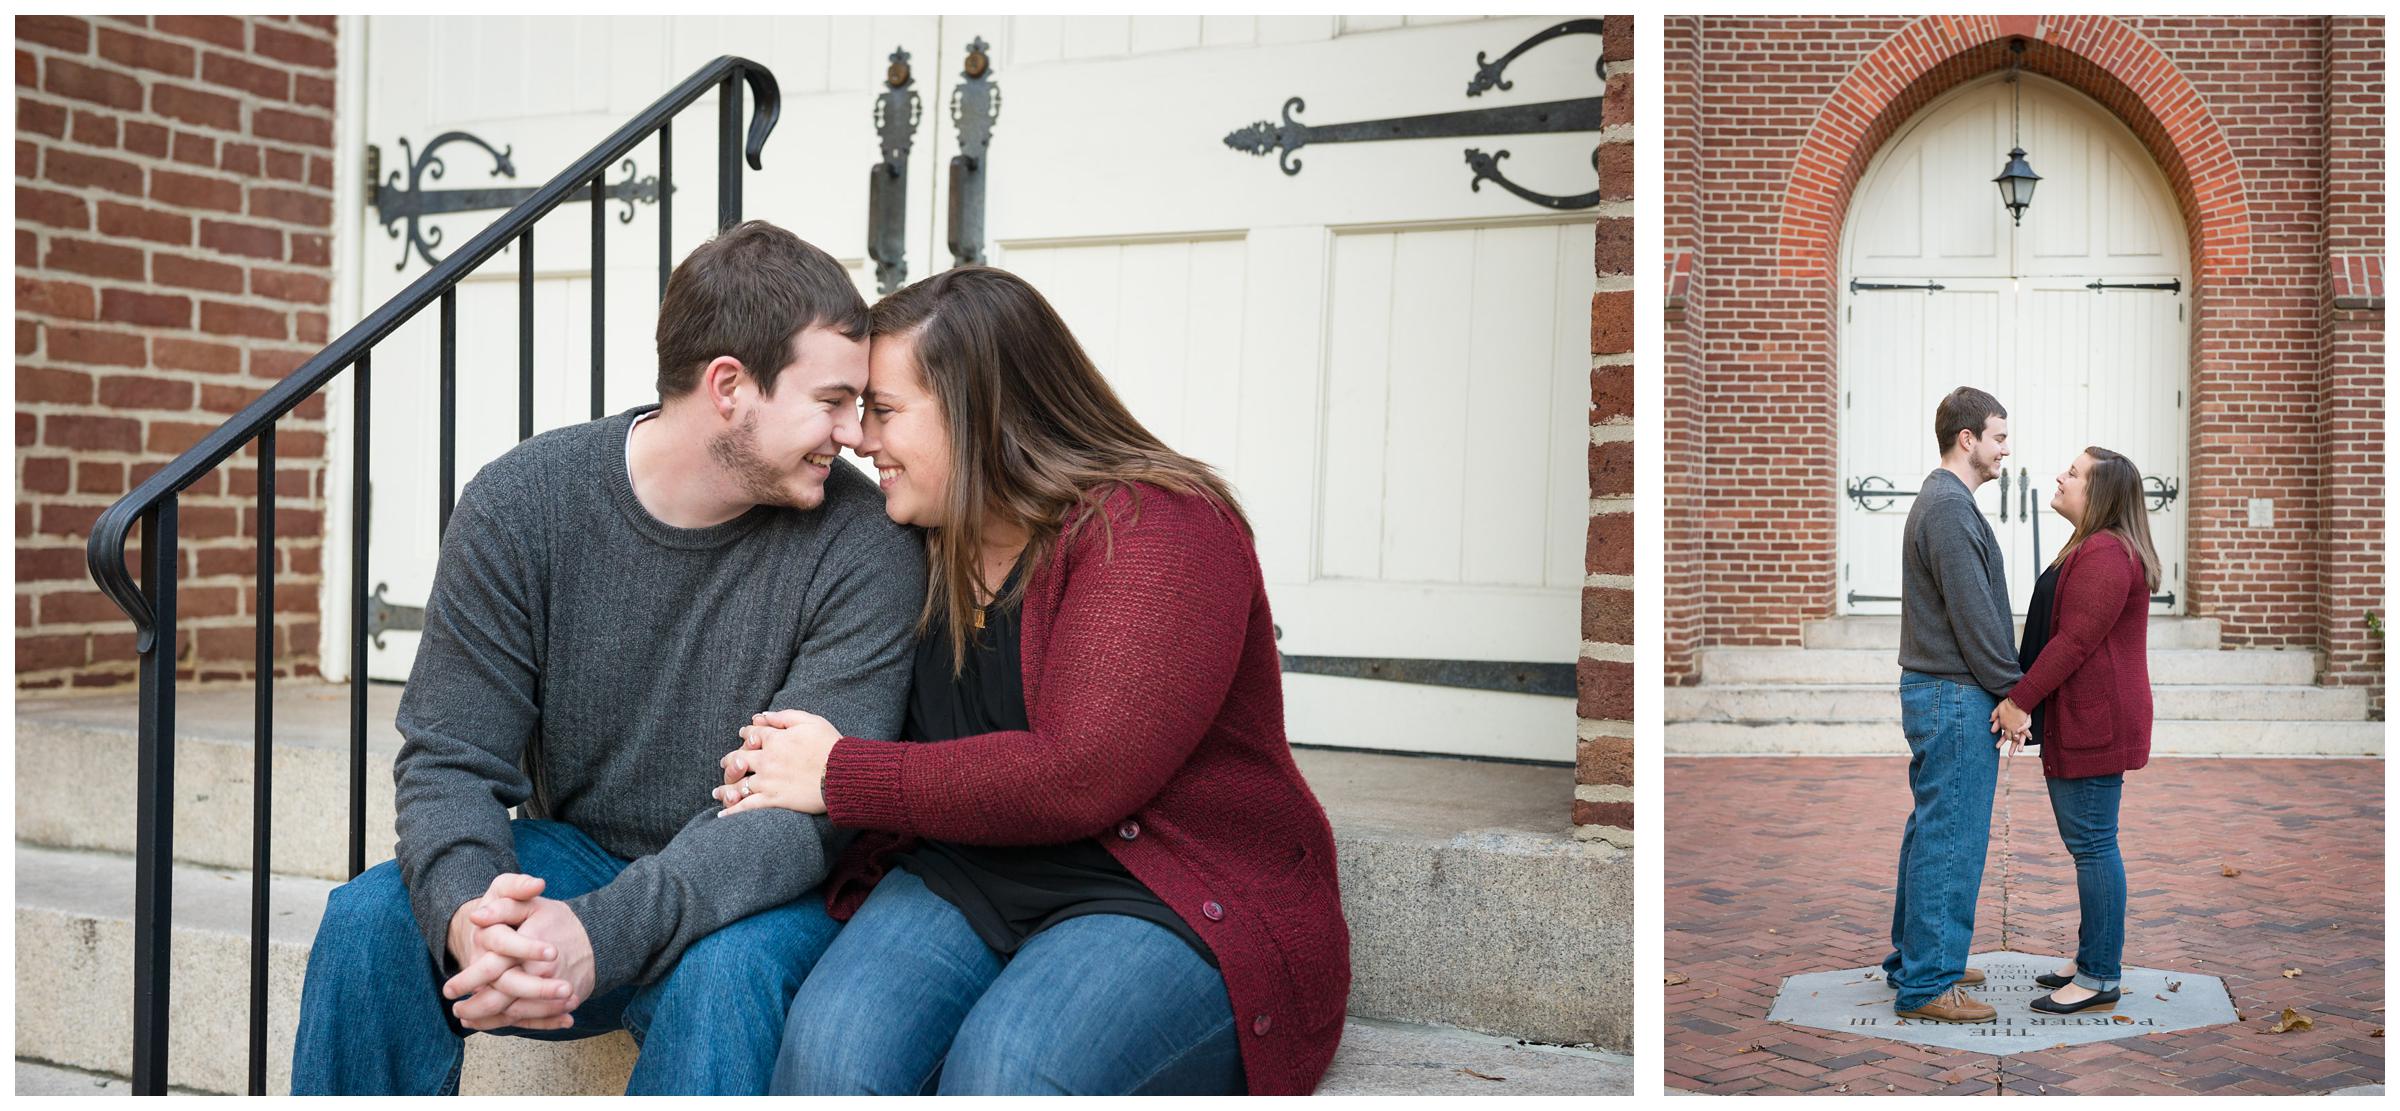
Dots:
{"x": 153, "y": 504}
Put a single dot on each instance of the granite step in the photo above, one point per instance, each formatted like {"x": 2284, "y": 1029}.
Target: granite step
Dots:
{"x": 1884, "y": 632}
{"x": 74, "y": 940}
{"x": 1858, "y": 666}
{"x": 1883, "y": 738}
{"x": 1471, "y": 901}
{"x": 1770, "y": 703}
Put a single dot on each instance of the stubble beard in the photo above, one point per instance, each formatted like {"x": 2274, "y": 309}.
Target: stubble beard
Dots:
{"x": 736, "y": 453}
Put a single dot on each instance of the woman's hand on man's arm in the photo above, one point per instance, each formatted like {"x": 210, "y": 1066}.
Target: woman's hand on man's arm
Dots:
{"x": 781, "y": 763}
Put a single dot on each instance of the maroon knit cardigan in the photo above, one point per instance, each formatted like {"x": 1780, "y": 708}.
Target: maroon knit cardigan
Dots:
{"x": 1155, "y": 698}
{"x": 2095, "y": 669}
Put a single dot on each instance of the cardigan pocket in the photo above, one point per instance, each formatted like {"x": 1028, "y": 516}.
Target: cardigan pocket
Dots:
{"x": 2088, "y": 700}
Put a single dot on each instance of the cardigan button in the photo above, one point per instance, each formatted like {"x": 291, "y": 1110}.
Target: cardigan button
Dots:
{"x": 1211, "y": 911}
{"x": 1129, "y": 829}
{"x": 1260, "y": 1024}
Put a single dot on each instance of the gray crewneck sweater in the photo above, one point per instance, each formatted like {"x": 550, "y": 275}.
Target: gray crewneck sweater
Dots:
{"x": 592, "y": 663}
{"x": 1954, "y": 620}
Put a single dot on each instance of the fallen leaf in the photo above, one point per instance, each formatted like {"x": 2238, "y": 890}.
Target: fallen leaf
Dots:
{"x": 1674, "y": 978}
{"x": 2292, "y": 1020}
{"x": 1842, "y": 1088}
{"x": 1713, "y": 993}
{"x": 1751, "y": 1049}
{"x": 2160, "y": 998}
{"x": 2123, "y": 1019}
{"x": 2378, "y": 1033}
{"x": 2291, "y": 974}
{"x": 2174, "y": 985}
{"x": 2228, "y": 870}
{"x": 2163, "y": 1072}
{"x": 2042, "y": 1088}
{"x": 1891, "y": 1087}
{"x": 1480, "y": 1076}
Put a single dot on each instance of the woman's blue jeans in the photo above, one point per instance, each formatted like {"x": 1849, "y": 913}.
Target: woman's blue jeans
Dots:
{"x": 2087, "y": 821}
{"x": 373, "y": 1020}
{"x": 909, "y": 1001}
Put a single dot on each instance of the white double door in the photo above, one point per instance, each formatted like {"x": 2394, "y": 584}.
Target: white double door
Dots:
{"x": 2074, "y": 367}
{"x": 1390, "y": 366}
{"x": 2076, "y": 319}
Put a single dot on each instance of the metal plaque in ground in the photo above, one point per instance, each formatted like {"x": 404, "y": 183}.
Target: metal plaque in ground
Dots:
{"x": 1858, "y": 1001}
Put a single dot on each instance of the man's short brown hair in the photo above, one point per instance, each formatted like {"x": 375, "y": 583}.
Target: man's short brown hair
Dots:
{"x": 1966, "y": 409}
{"x": 746, "y": 293}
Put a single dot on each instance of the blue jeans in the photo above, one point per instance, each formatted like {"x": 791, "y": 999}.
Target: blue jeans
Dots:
{"x": 910, "y": 1001}
{"x": 1952, "y": 769}
{"x": 2087, "y": 822}
{"x": 373, "y": 1020}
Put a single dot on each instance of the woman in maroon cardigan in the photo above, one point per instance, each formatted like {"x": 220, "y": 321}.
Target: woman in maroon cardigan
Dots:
{"x": 2087, "y": 679}
{"x": 1089, "y": 864}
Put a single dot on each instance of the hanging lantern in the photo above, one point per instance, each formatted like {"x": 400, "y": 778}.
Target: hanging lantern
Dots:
{"x": 2016, "y": 185}
{"x": 2017, "y": 179}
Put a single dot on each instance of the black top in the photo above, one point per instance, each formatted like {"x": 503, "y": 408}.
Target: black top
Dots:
{"x": 1010, "y": 892}
{"x": 2037, "y": 634}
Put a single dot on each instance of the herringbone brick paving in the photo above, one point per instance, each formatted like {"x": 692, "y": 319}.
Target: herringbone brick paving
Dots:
{"x": 1783, "y": 865}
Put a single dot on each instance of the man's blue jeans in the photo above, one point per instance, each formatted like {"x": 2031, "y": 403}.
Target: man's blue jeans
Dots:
{"x": 1952, "y": 769}
{"x": 2087, "y": 821}
{"x": 373, "y": 1020}
{"x": 910, "y": 1001}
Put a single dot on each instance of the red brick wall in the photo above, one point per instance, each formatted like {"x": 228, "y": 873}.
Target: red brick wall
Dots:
{"x": 2350, "y": 397}
{"x": 174, "y": 258}
{"x": 1604, "y": 673}
{"x": 1782, "y": 115}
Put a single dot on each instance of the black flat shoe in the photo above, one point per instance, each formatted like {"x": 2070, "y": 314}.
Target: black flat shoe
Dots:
{"x": 2053, "y": 980}
{"x": 2105, "y": 1001}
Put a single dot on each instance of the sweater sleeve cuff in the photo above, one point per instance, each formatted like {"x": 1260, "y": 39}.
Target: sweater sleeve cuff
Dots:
{"x": 623, "y": 934}
{"x": 862, "y": 785}
{"x": 458, "y": 877}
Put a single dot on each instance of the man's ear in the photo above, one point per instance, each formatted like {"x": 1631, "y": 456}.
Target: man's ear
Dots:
{"x": 721, "y": 381}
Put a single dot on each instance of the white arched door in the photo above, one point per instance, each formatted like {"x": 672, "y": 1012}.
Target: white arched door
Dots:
{"x": 2077, "y": 320}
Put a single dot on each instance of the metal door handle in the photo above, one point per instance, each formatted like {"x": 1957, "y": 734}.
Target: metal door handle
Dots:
{"x": 2004, "y": 495}
{"x": 2024, "y": 495}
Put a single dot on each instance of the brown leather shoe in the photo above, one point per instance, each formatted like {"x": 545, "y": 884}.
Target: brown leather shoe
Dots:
{"x": 1974, "y": 977}
{"x": 1952, "y": 1006}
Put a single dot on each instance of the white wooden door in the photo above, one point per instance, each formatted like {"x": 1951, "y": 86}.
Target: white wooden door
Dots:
{"x": 546, "y": 89}
{"x": 1390, "y": 366}
{"x": 2040, "y": 315}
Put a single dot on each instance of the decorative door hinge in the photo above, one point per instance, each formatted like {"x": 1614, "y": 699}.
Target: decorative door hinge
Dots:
{"x": 897, "y": 111}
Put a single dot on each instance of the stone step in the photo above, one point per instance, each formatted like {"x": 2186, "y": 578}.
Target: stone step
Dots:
{"x": 1880, "y": 702}
{"x": 1884, "y": 632}
{"x": 74, "y": 941}
{"x": 1862, "y": 666}
{"x": 1471, "y": 903}
{"x": 2167, "y": 738}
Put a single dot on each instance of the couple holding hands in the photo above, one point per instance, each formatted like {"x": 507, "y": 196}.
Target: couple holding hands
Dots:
{"x": 2077, "y": 685}
{"x": 976, "y": 786}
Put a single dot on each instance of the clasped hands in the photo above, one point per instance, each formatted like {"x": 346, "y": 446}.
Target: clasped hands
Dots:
{"x": 524, "y": 961}
{"x": 2014, "y": 725}
{"x": 781, "y": 763}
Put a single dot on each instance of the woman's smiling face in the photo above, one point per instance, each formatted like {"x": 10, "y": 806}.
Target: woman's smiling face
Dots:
{"x": 905, "y": 434}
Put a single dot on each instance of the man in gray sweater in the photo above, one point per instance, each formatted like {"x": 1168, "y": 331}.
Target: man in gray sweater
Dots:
{"x": 1956, "y": 665}
{"x": 614, "y": 600}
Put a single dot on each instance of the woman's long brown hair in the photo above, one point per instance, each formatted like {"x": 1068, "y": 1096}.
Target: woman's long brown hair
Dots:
{"x": 2112, "y": 493}
{"x": 1035, "y": 432}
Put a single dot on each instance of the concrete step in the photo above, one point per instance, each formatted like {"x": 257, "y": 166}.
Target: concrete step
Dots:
{"x": 1470, "y": 901}
{"x": 1862, "y": 666}
{"x": 2167, "y": 738}
{"x": 74, "y": 941}
{"x": 1880, "y": 702}
{"x": 1884, "y": 632}
{"x": 61, "y": 741}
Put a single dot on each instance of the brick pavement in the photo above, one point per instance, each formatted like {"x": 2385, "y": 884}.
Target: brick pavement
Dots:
{"x": 1782, "y": 865}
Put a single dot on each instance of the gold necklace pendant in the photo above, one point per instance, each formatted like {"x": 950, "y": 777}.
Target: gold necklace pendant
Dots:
{"x": 979, "y": 619}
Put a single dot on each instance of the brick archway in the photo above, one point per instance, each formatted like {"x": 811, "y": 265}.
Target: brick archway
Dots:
{"x": 2095, "y": 55}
